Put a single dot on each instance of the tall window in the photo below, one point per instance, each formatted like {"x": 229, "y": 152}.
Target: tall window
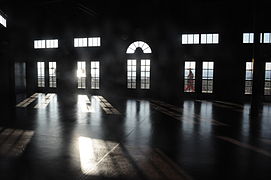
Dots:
{"x": 87, "y": 42}
{"x": 248, "y": 38}
{"x": 249, "y": 78}
{"x": 267, "y": 83}
{"x": 145, "y": 68}
{"x": 207, "y": 76}
{"x": 189, "y": 76}
{"x": 41, "y": 74}
{"x": 51, "y": 43}
{"x": 131, "y": 73}
{"x": 52, "y": 74}
{"x": 81, "y": 74}
{"x": 95, "y": 74}
{"x": 265, "y": 38}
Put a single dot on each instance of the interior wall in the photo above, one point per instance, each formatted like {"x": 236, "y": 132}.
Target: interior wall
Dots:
{"x": 161, "y": 31}
{"x": 20, "y": 77}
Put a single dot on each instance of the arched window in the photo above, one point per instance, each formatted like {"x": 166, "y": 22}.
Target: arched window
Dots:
{"x": 141, "y": 68}
{"x": 138, "y": 44}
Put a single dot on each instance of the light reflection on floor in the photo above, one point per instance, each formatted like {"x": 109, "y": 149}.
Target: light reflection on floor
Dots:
{"x": 44, "y": 102}
{"x": 111, "y": 159}
{"x": 14, "y": 141}
{"x": 84, "y": 104}
{"x": 29, "y": 100}
{"x": 106, "y": 106}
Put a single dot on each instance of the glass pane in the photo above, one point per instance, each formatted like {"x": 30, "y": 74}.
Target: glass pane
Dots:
{"x": 249, "y": 75}
{"x": 215, "y": 38}
{"x": 193, "y": 65}
{"x": 266, "y": 37}
{"x": 248, "y": 65}
{"x": 140, "y": 44}
{"x": 211, "y": 65}
{"x": 143, "y": 62}
{"x": 210, "y": 74}
{"x": 204, "y": 74}
{"x": 203, "y": 39}
{"x": 196, "y": 38}
{"x": 184, "y": 39}
{"x": 251, "y": 37}
{"x": 209, "y": 38}
{"x": 245, "y": 37}
{"x": 143, "y": 68}
{"x": 205, "y": 65}
{"x": 268, "y": 66}
{"x": 190, "y": 39}
{"x": 267, "y": 75}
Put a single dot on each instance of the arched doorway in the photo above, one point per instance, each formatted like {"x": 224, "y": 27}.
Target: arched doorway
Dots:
{"x": 139, "y": 66}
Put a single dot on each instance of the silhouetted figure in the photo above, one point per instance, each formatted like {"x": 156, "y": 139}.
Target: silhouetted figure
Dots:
{"x": 190, "y": 82}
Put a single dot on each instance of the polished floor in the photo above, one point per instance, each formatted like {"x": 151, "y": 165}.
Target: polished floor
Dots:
{"x": 54, "y": 136}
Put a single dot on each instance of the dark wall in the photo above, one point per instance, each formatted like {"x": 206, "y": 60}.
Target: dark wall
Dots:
{"x": 20, "y": 77}
{"x": 6, "y": 77}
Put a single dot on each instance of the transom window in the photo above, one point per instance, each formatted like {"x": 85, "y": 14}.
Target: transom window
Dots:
{"x": 267, "y": 83}
{"x": 41, "y": 74}
{"x": 190, "y": 38}
{"x": 209, "y": 38}
{"x": 87, "y": 42}
{"x": 81, "y": 74}
{"x": 189, "y": 76}
{"x": 139, "y": 44}
{"x": 200, "y": 38}
{"x": 207, "y": 76}
{"x": 52, "y": 74}
{"x": 248, "y": 38}
{"x": 95, "y": 74}
{"x": 41, "y": 44}
{"x": 249, "y": 78}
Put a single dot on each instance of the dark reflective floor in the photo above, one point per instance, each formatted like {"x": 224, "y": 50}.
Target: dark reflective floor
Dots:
{"x": 90, "y": 137}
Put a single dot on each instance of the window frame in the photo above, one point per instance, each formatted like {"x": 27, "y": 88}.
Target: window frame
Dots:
{"x": 248, "y": 38}
{"x": 87, "y": 42}
{"x": 145, "y": 74}
{"x": 81, "y": 76}
{"x": 41, "y": 74}
{"x": 209, "y": 79}
{"x": 186, "y": 78}
{"x": 52, "y": 74}
{"x": 131, "y": 73}
{"x": 248, "y": 81}
{"x": 267, "y": 80}
{"x": 95, "y": 74}
{"x": 46, "y": 44}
